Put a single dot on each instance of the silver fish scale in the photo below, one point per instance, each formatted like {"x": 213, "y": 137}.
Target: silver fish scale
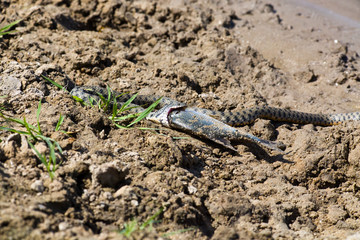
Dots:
{"x": 196, "y": 123}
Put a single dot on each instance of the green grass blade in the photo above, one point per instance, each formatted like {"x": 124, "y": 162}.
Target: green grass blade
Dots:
{"x": 119, "y": 126}
{"x": 81, "y": 101}
{"x": 38, "y": 117}
{"x": 54, "y": 83}
{"x": 126, "y": 117}
{"x": 58, "y": 146}
{"x": 52, "y": 157}
{"x": 77, "y": 99}
{"x": 42, "y": 159}
{"x": 92, "y": 100}
{"x": 145, "y": 113}
{"x": 129, "y": 228}
{"x": 9, "y": 26}
{"x": 124, "y": 106}
{"x": 165, "y": 235}
{"x": 114, "y": 109}
{"x": 2, "y": 115}
{"x": 13, "y": 130}
{"x": 50, "y": 141}
{"x": 60, "y": 121}
{"x": 129, "y": 108}
{"x": 3, "y": 31}
{"x": 151, "y": 219}
{"x": 19, "y": 121}
{"x": 150, "y": 129}
{"x": 26, "y": 125}
{"x": 108, "y": 101}
{"x": 102, "y": 102}
{"x": 8, "y": 32}
{"x": 50, "y": 145}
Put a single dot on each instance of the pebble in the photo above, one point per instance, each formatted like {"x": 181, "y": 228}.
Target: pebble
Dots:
{"x": 9, "y": 85}
{"x": 63, "y": 226}
{"x": 37, "y": 186}
{"x": 192, "y": 189}
{"x": 108, "y": 196}
{"x": 134, "y": 203}
{"x": 125, "y": 192}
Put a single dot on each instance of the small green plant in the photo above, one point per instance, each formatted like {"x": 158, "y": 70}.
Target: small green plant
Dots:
{"x": 169, "y": 234}
{"x": 5, "y": 30}
{"x": 54, "y": 83}
{"x": 116, "y": 110}
{"x": 139, "y": 116}
{"x": 34, "y": 134}
{"x": 110, "y": 101}
{"x": 133, "y": 225}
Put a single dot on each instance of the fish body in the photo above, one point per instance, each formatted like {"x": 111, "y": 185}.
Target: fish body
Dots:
{"x": 189, "y": 120}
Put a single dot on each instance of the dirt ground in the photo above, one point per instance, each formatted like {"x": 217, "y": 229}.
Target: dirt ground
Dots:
{"x": 223, "y": 55}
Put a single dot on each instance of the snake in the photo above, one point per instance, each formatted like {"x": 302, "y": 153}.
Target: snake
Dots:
{"x": 232, "y": 118}
{"x": 215, "y": 125}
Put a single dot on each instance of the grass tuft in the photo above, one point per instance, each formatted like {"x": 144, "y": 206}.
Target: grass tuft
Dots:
{"x": 133, "y": 225}
{"x": 118, "y": 113}
{"x": 34, "y": 134}
{"x": 5, "y": 30}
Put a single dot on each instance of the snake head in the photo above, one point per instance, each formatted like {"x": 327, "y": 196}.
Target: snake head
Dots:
{"x": 162, "y": 115}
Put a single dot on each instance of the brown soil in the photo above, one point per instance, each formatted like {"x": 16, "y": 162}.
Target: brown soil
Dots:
{"x": 220, "y": 55}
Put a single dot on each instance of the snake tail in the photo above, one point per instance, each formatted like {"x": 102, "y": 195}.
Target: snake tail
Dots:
{"x": 248, "y": 116}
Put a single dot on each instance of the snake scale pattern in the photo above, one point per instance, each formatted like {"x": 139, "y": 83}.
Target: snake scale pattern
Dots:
{"x": 244, "y": 117}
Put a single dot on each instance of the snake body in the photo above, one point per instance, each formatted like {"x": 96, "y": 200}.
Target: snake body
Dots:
{"x": 213, "y": 125}
{"x": 239, "y": 118}
{"x": 248, "y": 116}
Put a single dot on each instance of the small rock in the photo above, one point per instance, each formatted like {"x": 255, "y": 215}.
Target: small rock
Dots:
{"x": 46, "y": 68}
{"x": 9, "y": 85}
{"x": 12, "y": 145}
{"x": 268, "y": 8}
{"x": 336, "y": 213}
{"x": 63, "y": 226}
{"x": 192, "y": 189}
{"x": 92, "y": 198}
{"x": 37, "y": 186}
{"x": 125, "y": 192}
{"x": 134, "y": 203}
{"x": 41, "y": 207}
{"x": 306, "y": 76}
{"x": 108, "y": 196}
